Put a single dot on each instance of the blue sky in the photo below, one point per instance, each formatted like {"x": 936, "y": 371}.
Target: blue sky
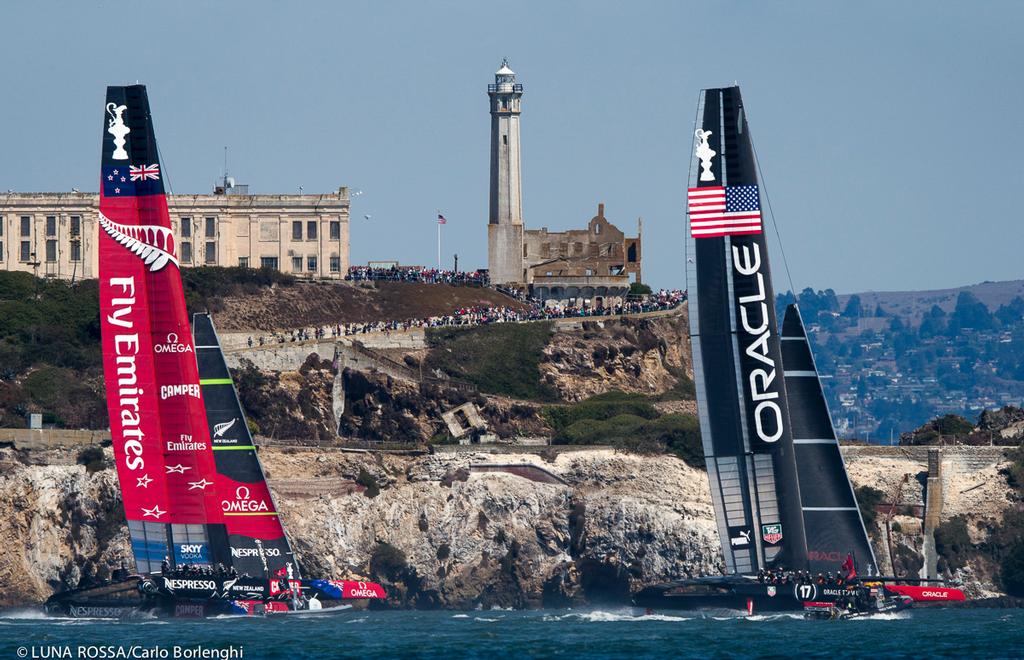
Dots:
{"x": 889, "y": 133}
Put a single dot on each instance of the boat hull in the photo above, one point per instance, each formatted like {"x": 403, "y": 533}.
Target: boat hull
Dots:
{"x": 149, "y": 597}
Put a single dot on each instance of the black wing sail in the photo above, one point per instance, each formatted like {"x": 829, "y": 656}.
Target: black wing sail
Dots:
{"x": 832, "y": 519}
{"x": 737, "y": 359}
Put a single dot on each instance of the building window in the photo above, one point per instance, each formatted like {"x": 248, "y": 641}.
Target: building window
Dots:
{"x": 296, "y": 264}
{"x": 296, "y": 230}
{"x": 211, "y": 227}
{"x": 1, "y": 250}
{"x": 597, "y": 228}
{"x": 76, "y": 250}
{"x": 243, "y": 262}
{"x": 51, "y": 250}
{"x": 1, "y": 225}
{"x": 76, "y": 225}
{"x": 211, "y": 252}
{"x": 504, "y": 140}
{"x": 51, "y": 225}
{"x": 186, "y": 253}
{"x": 268, "y": 262}
{"x": 311, "y": 263}
{"x": 186, "y": 227}
{"x": 26, "y": 225}
{"x": 25, "y": 252}
{"x": 335, "y": 230}
{"x": 311, "y": 230}
{"x": 335, "y": 264}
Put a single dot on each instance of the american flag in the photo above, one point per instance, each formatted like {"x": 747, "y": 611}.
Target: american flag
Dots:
{"x": 724, "y": 211}
{"x": 143, "y": 172}
{"x": 441, "y": 220}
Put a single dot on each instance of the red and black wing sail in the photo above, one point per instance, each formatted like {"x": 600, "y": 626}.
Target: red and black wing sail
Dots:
{"x": 157, "y": 419}
{"x": 255, "y": 536}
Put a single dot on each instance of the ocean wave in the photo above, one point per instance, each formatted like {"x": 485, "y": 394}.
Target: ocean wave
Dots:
{"x": 460, "y": 616}
{"x": 481, "y": 618}
{"x": 601, "y": 616}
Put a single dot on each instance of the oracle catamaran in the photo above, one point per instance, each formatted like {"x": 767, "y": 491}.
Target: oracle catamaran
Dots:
{"x": 205, "y": 533}
{"x": 783, "y": 501}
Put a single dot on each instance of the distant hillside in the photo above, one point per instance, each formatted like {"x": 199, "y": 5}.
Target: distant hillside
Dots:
{"x": 913, "y": 305}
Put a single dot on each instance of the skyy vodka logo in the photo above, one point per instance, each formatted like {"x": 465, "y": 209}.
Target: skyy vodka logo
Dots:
{"x": 763, "y": 389}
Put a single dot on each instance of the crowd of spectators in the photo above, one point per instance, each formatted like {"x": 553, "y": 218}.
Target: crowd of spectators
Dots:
{"x": 417, "y": 274}
{"x": 480, "y": 315}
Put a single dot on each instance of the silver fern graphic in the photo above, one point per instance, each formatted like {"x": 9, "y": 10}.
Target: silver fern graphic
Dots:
{"x": 220, "y": 429}
{"x": 152, "y": 243}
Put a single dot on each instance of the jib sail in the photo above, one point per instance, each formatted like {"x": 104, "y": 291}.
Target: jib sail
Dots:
{"x": 737, "y": 360}
{"x": 157, "y": 420}
{"x": 832, "y": 520}
{"x": 255, "y": 537}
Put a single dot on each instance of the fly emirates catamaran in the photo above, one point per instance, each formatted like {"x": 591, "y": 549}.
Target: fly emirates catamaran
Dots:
{"x": 784, "y": 506}
{"x": 205, "y": 533}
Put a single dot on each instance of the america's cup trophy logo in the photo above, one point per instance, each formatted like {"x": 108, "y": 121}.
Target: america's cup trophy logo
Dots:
{"x": 118, "y": 129}
{"x": 705, "y": 153}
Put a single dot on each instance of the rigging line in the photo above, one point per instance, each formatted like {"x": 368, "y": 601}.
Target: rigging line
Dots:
{"x": 686, "y": 213}
{"x": 164, "y": 174}
{"x": 778, "y": 235}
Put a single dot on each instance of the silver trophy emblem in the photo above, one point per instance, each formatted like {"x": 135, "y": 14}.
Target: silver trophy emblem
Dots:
{"x": 118, "y": 129}
{"x": 705, "y": 153}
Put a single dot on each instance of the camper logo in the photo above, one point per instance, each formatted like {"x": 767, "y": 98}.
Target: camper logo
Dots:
{"x": 771, "y": 533}
{"x": 151, "y": 243}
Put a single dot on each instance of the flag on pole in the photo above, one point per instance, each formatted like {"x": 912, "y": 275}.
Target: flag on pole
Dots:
{"x": 441, "y": 220}
{"x": 724, "y": 211}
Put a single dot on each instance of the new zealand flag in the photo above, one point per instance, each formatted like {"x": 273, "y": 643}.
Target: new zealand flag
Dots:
{"x": 132, "y": 180}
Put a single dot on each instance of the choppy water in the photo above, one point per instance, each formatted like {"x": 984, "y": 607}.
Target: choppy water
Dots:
{"x": 501, "y": 635}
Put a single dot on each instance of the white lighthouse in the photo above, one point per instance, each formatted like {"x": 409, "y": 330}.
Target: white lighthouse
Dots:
{"x": 505, "y": 228}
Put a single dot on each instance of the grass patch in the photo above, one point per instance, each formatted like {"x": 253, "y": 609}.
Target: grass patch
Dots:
{"x": 627, "y": 421}
{"x": 502, "y": 358}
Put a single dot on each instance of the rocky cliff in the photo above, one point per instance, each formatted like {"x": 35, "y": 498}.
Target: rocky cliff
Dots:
{"x": 466, "y": 529}
{"x": 439, "y": 531}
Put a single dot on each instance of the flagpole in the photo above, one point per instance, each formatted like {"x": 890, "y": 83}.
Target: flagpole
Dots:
{"x": 438, "y": 221}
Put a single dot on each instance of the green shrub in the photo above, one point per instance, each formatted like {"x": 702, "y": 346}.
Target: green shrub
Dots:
{"x": 953, "y": 425}
{"x": 92, "y": 458}
{"x": 1011, "y": 570}
{"x": 368, "y": 481}
{"x": 388, "y": 561}
{"x": 868, "y": 498}
{"x": 953, "y": 543}
{"x": 598, "y": 407}
{"x": 502, "y": 358}
{"x": 639, "y": 289}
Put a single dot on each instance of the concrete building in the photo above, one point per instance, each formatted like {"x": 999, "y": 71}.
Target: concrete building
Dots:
{"x": 593, "y": 264}
{"x": 55, "y": 234}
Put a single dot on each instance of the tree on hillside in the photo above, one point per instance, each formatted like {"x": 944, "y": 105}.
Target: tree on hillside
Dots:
{"x": 933, "y": 323}
{"x": 853, "y": 309}
{"x": 879, "y": 312}
{"x": 1011, "y": 313}
{"x": 970, "y": 313}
